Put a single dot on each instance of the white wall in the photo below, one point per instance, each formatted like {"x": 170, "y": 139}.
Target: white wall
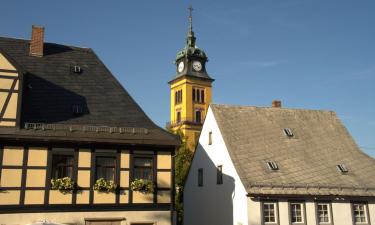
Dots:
{"x": 77, "y": 218}
{"x": 214, "y": 204}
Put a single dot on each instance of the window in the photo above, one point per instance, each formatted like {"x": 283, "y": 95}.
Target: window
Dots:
{"x": 297, "y": 212}
{"x": 342, "y": 168}
{"x": 178, "y": 117}
{"x": 178, "y": 97}
{"x": 269, "y": 212}
{"x": 210, "y": 138}
{"x": 272, "y": 165}
{"x": 200, "y": 177}
{"x": 360, "y": 213}
{"x": 219, "y": 174}
{"x": 143, "y": 167}
{"x": 323, "y": 213}
{"x": 198, "y": 95}
{"x": 198, "y": 116}
{"x": 62, "y": 166}
{"x": 288, "y": 132}
{"x": 106, "y": 167}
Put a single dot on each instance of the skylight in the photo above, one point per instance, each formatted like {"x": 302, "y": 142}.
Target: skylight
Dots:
{"x": 342, "y": 168}
{"x": 288, "y": 132}
{"x": 272, "y": 165}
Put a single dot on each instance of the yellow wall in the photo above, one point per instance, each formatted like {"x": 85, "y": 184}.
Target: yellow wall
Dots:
{"x": 9, "y": 197}
{"x": 11, "y": 178}
{"x": 37, "y": 157}
{"x": 13, "y": 156}
{"x": 34, "y": 197}
{"x": 5, "y": 85}
{"x": 36, "y": 178}
{"x": 188, "y": 107}
{"x": 56, "y": 197}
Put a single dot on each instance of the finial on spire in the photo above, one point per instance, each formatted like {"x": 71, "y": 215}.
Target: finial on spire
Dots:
{"x": 190, "y": 37}
{"x": 190, "y": 18}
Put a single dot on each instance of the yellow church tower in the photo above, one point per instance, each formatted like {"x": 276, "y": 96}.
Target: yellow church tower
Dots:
{"x": 191, "y": 90}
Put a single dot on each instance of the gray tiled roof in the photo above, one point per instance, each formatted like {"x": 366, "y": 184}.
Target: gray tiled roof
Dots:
{"x": 307, "y": 161}
{"x": 51, "y": 88}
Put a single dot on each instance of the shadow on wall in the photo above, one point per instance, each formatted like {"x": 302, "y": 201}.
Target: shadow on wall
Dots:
{"x": 46, "y": 102}
{"x": 211, "y": 204}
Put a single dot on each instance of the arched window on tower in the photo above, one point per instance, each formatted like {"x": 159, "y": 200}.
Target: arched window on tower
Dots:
{"x": 202, "y": 96}
{"x": 193, "y": 94}
{"x": 198, "y": 116}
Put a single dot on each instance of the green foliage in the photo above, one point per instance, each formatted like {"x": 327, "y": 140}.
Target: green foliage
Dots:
{"x": 141, "y": 185}
{"x": 65, "y": 185}
{"x": 103, "y": 185}
{"x": 183, "y": 160}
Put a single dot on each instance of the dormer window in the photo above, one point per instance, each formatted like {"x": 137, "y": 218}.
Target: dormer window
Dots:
{"x": 272, "y": 165}
{"x": 288, "y": 132}
{"x": 342, "y": 168}
{"x": 77, "y": 109}
{"x": 77, "y": 69}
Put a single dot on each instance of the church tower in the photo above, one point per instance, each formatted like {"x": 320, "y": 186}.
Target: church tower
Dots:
{"x": 190, "y": 89}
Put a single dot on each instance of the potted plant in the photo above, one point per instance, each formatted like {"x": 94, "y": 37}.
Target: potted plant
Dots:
{"x": 142, "y": 185}
{"x": 65, "y": 185}
{"x": 103, "y": 185}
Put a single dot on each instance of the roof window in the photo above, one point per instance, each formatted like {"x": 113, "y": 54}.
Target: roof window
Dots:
{"x": 77, "y": 109}
{"x": 288, "y": 132}
{"x": 342, "y": 168}
{"x": 77, "y": 69}
{"x": 272, "y": 165}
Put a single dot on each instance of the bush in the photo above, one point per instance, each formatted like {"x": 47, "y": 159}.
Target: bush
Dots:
{"x": 65, "y": 185}
{"x": 141, "y": 185}
{"x": 103, "y": 185}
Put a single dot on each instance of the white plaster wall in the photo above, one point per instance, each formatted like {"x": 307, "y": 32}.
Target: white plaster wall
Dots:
{"x": 371, "y": 209}
{"x": 214, "y": 204}
{"x": 284, "y": 212}
{"x": 77, "y": 218}
{"x": 254, "y": 212}
{"x": 310, "y": 212}
{"x": 342, "y": 214}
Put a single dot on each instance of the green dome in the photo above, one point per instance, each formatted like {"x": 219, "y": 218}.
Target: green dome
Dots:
{"x": 191, "y": 51}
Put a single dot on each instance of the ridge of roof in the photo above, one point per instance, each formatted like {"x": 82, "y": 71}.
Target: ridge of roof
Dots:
{"x": 53, "y": 43}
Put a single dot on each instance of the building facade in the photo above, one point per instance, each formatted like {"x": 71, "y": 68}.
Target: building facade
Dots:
{"x": 271, "y": 165}
{"x": 74, "y": 146}
{"x": 191, "y": 90}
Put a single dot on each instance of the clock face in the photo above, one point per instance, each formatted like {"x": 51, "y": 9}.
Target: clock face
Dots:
{"x": 180, "y": 67}
{"x": 197, "y": 66}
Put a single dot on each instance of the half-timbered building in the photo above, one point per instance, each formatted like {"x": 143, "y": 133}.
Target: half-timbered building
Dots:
{"x": 63, "y": 115}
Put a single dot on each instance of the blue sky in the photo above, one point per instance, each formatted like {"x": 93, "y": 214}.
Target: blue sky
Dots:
{"x": 314, "y": 54}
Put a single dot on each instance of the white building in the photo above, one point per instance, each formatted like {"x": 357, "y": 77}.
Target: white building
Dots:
{"x": 279, "y": 166}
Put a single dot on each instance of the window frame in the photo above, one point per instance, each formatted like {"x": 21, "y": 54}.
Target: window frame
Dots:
{"x": 62, "y": 152}
{"x": 276, "y": 204}
{"x": 330, "y": 215}
{"x": 200, "y": 177}
{"x": 303, "y": 212}
{"x": 366, "y": 211}
{"x": 198, "y": 111}
{"x": 219, "y": 174}
{"x": 115, "y": 167}
{"x": 152, "y": 167}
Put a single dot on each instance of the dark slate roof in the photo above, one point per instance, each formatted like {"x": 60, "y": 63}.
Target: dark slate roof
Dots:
{"x": 51, "y": 88}
{"x": 307, "y": 161}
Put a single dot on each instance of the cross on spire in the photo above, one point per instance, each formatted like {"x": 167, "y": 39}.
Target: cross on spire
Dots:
{"x": 190, "y": 18}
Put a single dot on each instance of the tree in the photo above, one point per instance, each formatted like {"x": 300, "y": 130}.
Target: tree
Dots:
{"x": 182, "y": 165}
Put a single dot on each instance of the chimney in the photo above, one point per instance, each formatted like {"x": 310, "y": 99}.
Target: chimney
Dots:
{"x": 37, "y": 41}
{"x": 276, "y": 104}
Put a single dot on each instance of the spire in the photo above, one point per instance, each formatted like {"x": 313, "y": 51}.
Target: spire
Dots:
{"x": 190, "y": 37}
